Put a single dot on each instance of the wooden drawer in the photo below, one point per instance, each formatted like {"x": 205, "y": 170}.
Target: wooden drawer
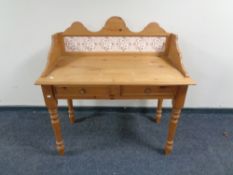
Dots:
{"x": 85, "y": 92}
{"x": 148, "y": 90}
{"x": 114, "y": 92}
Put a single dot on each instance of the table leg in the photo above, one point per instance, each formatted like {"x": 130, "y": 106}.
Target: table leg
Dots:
{"x": 178, "y": 103}
{"x": 159, "y": 111}
{"x": 51, "y": 103}
{"x": 71, "y": 111}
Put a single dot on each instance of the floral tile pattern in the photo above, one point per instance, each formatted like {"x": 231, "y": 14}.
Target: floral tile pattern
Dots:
{"x": 114, "y": 44}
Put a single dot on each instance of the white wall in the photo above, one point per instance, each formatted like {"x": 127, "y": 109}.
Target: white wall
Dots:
{"x": 204, "y": 27}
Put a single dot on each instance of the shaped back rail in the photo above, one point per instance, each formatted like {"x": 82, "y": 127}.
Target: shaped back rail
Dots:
{"x": 116, "y": 38}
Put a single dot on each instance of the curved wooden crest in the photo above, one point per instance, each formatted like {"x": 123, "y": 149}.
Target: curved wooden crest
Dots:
{"x": 115, "y": 26}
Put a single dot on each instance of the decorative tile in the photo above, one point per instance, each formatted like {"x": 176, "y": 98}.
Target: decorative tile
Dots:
{"x": 114, "y": 44}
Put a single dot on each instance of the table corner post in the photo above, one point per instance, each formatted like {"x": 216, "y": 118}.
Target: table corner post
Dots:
{"x": 177, "y": 105}
{"x": 51, "y": 103}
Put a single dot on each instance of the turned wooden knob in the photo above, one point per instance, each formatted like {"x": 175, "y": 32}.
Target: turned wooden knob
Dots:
{"x": 147, "y": 90}
{"x": 82, "y": 91}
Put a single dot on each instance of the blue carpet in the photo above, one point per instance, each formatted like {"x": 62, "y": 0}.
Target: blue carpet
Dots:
{"x": 116, "y": 142}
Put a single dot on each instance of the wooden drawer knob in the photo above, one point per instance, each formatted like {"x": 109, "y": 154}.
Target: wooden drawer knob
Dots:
{"x": 147, "y": 90}
{"x": 163, "y": 87}
{"x": 82, "y": 91}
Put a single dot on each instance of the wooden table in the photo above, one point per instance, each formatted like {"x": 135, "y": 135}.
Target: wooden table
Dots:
{"x": 83, "y": 66}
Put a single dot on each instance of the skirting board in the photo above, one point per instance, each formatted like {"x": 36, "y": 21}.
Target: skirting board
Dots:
{"x": 115, "y": 109}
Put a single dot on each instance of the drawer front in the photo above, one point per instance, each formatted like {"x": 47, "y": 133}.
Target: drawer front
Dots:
{"x": 85, "y": 92}
{"x": 148, "y": 91}
{"x": 114, "y": 92}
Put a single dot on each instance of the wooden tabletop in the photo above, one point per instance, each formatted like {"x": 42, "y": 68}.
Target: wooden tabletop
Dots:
{"x": 114, "y": 70}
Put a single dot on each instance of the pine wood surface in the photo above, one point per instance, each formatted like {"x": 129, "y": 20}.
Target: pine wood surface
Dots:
{"x": 114, "y": 70}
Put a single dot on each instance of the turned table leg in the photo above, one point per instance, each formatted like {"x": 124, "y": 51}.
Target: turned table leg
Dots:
{"x": 51, "y": 103}
{"x": 159, "y": 111}
{"x": 71, "y": 111}
{"x": 178, "y": 103}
